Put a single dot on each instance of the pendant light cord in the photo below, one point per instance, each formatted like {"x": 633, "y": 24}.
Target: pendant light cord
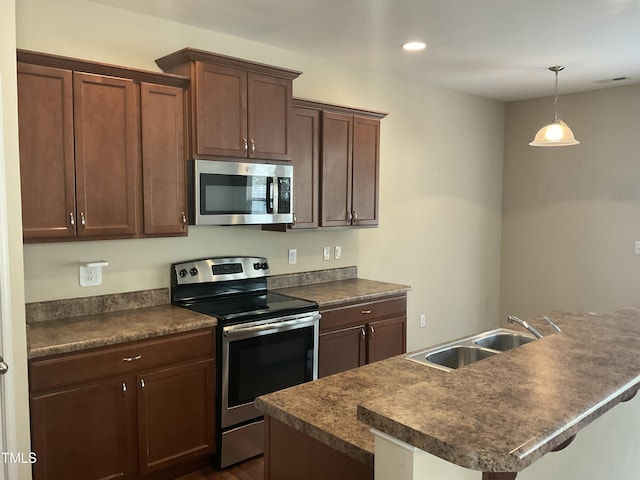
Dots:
{"x": 555, "y": 100}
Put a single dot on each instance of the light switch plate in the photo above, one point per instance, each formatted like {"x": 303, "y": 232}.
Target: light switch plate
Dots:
{"x": 293, "y": 256}
{"x": 637, "y": 247}
{"x": 326, "y": 253}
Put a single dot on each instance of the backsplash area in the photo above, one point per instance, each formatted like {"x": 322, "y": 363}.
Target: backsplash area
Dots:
{"x": 76, "y": 307}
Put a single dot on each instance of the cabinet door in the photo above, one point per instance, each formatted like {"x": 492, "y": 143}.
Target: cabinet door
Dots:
{"x": 175, "y": 415}
{"x": 341, "y": 350}
{"x": 305, "y": 158}
{"x": 45, "y": 121}
{"x": 366, "y": 146}
{"x": 269, "y": 113}
{"x": 386, "y": 338}
{"x": 220, "y": 111}
{"x": 82, "y": 433}
{"x": 336, "y": 168}
{"x": 163, "y": 160}
{"x": 107, "y": 154}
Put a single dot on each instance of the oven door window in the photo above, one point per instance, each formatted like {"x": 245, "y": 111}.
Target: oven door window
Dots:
{"x": 233, "y": 194}
{"x": 266, "y": 363}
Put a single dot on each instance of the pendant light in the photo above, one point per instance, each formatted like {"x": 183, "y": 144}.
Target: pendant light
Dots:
{"x": 557, "y": 133}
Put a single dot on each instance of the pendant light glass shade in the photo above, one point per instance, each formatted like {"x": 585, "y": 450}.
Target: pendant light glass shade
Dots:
{"x": 557, "y": 133}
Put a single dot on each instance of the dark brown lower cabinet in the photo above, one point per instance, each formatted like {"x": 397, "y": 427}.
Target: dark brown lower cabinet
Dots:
{"x": 352, "y": 335}
{"x": 342, "y": 350}
{"x": 138, "y": 410}
{"x": 175, "y": 414}
{"x": 292, "y": 455}
{"x": 386, "y": 338}
{"x": 82, "y": 433}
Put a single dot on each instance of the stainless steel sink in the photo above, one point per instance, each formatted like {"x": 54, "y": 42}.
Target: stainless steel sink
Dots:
{"x": 468, "y": 350}
{"x": 458, "y": 356}
{"x": 504, "y": 341}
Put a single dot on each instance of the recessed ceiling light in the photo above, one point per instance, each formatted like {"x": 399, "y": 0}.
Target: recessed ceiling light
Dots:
{"x": 414, "y": 46}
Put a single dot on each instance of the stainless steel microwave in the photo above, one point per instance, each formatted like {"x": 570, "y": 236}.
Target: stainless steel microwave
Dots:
{"x": 235, "y": 193}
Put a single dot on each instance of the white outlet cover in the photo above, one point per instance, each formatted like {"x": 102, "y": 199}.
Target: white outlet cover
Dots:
{"x": 293, "y": 256}
{"x": 637, "y": 247}
{"x": 90, "y": 276}
{"x": 337, "y": 252}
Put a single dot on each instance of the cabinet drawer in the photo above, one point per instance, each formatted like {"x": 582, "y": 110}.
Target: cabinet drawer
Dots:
{"x": 362, "y": 313}
{"x": 123, "y": 359}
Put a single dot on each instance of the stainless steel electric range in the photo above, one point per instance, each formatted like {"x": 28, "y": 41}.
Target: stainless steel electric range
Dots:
{"x": 265, "y": 342}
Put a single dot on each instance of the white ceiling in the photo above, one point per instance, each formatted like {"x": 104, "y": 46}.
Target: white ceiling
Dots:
{"x": 498, "y": 49}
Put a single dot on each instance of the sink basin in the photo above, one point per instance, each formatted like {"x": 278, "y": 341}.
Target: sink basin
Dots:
{"x": 503, "y": 341}
{"x": 464, "y": 351}
{"x": 458, "y": 356}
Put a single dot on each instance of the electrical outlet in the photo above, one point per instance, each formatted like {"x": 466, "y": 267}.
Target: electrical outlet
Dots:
{"x": 90, "y": 276}
{"x": 293, "y": 256}
{"x": 337, "y": 252}
{"x": 423, "y": 320}
{"x": 637, "y": 247}
{"x": 326, "y": 253}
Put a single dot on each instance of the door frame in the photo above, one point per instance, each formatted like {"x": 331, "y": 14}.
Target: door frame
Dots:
{"x": 8, "y": 425}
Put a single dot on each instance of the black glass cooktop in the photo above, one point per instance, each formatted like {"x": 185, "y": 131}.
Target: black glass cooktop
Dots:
{"x": 249, "y": 307}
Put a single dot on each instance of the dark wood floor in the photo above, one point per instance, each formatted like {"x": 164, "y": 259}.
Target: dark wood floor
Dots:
{"x": 252, "y": 469}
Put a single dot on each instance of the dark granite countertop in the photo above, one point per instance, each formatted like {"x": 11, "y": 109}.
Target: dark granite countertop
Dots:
{"x": 349, "y": 290}
{"x": 63, "y": 326}
{"x": 499, "y": 414}
{"x": 71, "y": 334}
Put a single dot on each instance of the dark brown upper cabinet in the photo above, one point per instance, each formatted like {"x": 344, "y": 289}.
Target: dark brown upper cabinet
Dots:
{"x": 239, "y": 109}
{"x": 102, "y": 151}
{"x": 163, "y": 159}
{"x": 350, "y": 164}
{"x": 336, "y": 160}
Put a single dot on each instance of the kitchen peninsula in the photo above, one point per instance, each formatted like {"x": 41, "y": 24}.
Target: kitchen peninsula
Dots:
{"x": 497, "y": 416}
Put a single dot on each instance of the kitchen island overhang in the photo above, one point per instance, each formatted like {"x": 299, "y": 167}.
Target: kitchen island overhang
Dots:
{"x": 500, "y": 414}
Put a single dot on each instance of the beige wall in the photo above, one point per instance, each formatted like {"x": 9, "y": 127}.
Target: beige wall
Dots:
{"x": 571, "y": 215}
{"x": 440, "y": 181}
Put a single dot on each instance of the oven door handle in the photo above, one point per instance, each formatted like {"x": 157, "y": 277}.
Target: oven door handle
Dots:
{"x": 238, "y": 331}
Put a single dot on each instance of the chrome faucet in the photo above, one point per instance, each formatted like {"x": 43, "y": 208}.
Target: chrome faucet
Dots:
{"x": 552, "y": 323}
{"x": 514, "y": 319}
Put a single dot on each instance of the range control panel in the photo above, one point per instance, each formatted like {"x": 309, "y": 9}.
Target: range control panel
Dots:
{"x": 219, "y": 269}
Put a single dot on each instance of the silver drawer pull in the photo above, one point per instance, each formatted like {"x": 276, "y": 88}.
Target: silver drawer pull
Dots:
{"x": 366, "y": 312}
{"x": 132, "y": 359}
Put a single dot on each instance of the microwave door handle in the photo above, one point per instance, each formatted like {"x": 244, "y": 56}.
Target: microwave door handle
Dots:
{"x": 269, "y": 199}
{"x": 272, "y": 194}
{"x": 275, "y": 196}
